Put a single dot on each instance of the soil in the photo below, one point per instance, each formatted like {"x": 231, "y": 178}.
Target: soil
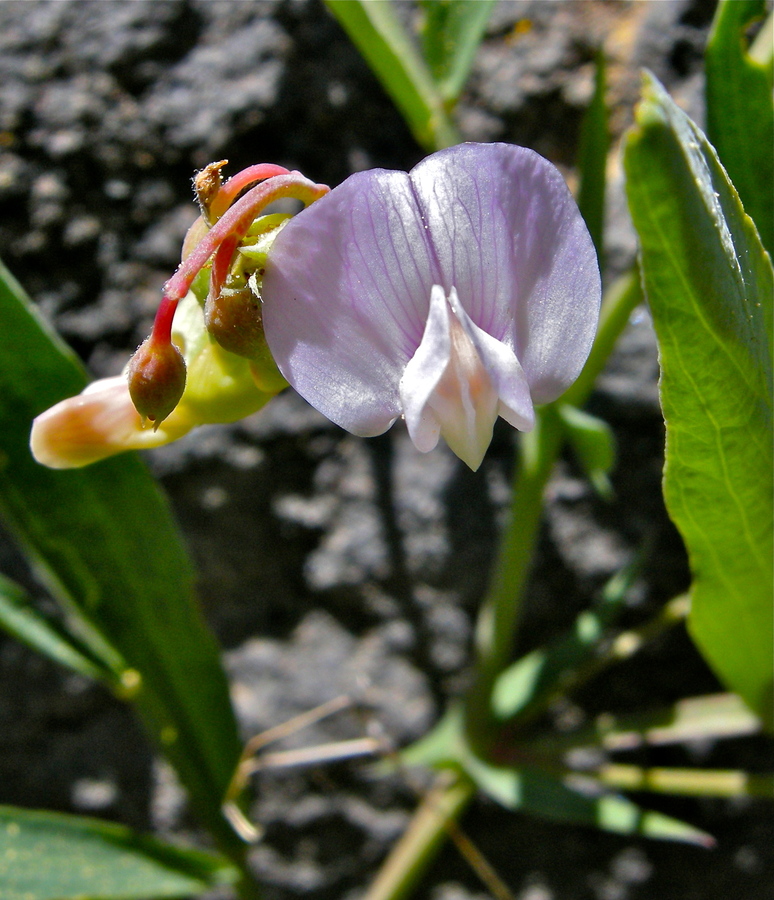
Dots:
{"x": 329, "y": 564}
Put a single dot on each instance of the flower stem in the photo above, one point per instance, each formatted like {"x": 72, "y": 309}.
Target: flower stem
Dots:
{"x": 498, "y": 619}
{"x": 440, "y": 808}
{"x": 499, "y": 616}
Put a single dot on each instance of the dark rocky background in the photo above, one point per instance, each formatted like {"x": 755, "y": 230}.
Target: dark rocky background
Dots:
{"x": 331, "y": 564}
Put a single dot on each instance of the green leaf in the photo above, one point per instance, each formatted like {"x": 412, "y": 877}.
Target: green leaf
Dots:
{"x": 103, "y": 540}
{"x": 20, "y": 618}
{"x": 693, "y": 719}
{"x": 592, "y": 159}
{"x": 712, "y": 717}
{"x": 709, "y": 285}
{"x": 539, "y": 793}
{"x": 536, "y": 792}
{"x": 533, "y": 679}
{"x": 50, "y": 856}
{"x": 444, "y": 743}
{"x": 740, "y": 112}
{"x": 593, "y": 441}
{"x": 451, "y": 32}
{"x": 381, "y": 39}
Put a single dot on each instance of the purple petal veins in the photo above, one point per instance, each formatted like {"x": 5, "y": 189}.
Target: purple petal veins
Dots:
{"x": 466, "y": 289}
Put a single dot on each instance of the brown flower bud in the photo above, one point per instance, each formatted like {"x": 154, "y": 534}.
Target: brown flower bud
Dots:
{"x": 234, "y": 319}
{"x": 156, "y": 376}
{"x": 207, "y": 183}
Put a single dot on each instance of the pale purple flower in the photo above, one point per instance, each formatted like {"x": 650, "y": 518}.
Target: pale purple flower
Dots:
{"x": 466, "y": 289}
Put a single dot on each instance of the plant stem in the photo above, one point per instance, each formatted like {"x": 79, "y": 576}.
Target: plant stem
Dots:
{"x": 685, "y": 782}
{"x": 622, "y": 647}
{"x": 500, "y": 612}
{"x": 422, "y": 839}
{"x": 499, "y": 617}
{"x": 247, "y": 887}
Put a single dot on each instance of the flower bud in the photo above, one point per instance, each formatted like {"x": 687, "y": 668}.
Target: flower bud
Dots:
{"x": 207, "y": 184}
{"x": 97, "y": 423}
{"x": 234, "y": 319}
{"x": 156, "y": 375}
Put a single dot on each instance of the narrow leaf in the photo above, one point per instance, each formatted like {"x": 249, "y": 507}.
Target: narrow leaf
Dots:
{"x": 709, "y": 285}
{"x": 740, "y": 111}
{"x": 444, "y": 743}
{"x": 541, "y": 794}
{"x": 20, "y": 618}
{"x": 534, "y": 678}
{"x": 451, "y": 33}
{"x": 712, "y": 717}
{"x": 692, "y": 719}
{"x": 104, "y": 541}
{"x": 50, "y": 856}
{"x": 381, "y": 39}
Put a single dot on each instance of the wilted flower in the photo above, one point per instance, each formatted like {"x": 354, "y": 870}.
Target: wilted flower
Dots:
{"x": 466, "y": 289}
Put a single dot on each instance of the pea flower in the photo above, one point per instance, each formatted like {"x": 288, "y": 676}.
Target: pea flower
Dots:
{"x": 464, "y": 290}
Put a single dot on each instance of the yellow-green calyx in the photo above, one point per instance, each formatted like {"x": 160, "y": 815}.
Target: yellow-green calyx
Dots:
{"x": 206, "y": 360}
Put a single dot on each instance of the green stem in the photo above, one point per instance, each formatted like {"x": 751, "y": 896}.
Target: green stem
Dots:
{"x": 500, "y": 612}
{"x": 424, "y": 836}
{"x": 618, "y": 303}
{"x": 499, "y": 617}
{"x": 685, "y": 782}
{"x": 247, "y": 887}
{"x": 627, "y": 643}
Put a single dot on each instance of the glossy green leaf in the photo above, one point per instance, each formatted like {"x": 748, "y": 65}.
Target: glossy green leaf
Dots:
{"x": 740, "y": 111}
{"x": 709, "y": 286}
{"x": 592, "y": 159}
{"x": 20, "y": 618}
{"x": 378, "y": 34}
{"x": 593, "y": 441}
{"x": 104, "y": 541}
{"x": 451, "y": 32}
{"x": 50, "y": 856}
{"x": 536, "y": 792}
